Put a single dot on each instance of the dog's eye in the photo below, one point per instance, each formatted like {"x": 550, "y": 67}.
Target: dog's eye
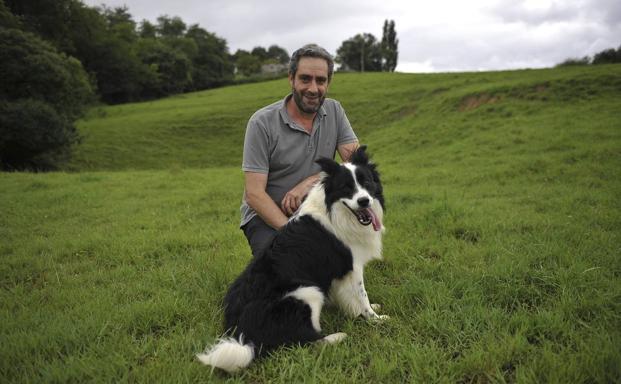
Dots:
{"x": 347, "y": 186}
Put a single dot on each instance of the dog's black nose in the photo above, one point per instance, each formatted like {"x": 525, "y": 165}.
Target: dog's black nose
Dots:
{"x": 363, "y": 202}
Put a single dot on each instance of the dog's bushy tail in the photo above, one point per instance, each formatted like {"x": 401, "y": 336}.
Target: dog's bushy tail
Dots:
{"x": 228, "y": 354}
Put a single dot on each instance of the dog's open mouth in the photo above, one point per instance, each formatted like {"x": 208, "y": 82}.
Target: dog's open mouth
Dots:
{"x": 366, "y": 216}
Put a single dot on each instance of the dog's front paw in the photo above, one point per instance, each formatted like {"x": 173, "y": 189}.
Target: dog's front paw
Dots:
{"x": 372, "y": 316}
{"x": 380, "y": 318}
{"x": 376, "y": 307}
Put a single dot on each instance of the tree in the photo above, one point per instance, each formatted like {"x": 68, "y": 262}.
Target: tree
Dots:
{"x": 260, "y": 53}
{"x": 390, "y": 44}
{"x": 169, "y": 69}
{"x": 608, "y": 56}
{"x": 246, "y": 63}
{"x": 278, "y": 54}
{"x": 147, "y": 30}
{"x": 120, "y": 23}
{"x": 112, "y": 48}
{"x": 572, "y": 62}
{"x": 211, "y": 63}
{"x": 42, "y": 93}
{"x": 360, "y": 53}
{"x": 170, "y": 26}
{"x": 7, "y": 19}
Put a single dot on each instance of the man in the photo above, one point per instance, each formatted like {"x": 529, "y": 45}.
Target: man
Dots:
{"x": 282, "y": 142}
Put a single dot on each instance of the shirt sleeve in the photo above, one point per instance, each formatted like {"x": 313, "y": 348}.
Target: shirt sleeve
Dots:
{"x": 345, "y": 132}
{"x": 256, "y": 147}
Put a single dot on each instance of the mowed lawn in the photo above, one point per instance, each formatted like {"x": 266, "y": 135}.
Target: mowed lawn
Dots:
{"x": 502, "y": 254}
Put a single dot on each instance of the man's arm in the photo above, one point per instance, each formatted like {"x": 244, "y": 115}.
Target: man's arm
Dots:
{"x": 261, "y": 202}
{"x": 346, "y": 150}
{"x": 293, "y": 199}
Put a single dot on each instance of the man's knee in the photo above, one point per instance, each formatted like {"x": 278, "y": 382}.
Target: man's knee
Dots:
{"x": 258, "y": 234}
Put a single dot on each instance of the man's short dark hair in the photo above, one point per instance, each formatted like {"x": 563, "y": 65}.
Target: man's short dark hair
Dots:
{"x": 311, "y": 50}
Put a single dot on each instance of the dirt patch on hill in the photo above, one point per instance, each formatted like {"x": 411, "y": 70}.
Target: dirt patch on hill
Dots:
{"x": 474, "y": 101}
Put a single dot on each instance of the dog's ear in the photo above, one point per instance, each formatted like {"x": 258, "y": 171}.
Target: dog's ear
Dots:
{"x": 329, "y": 166}
{"x": 360, "y": 157}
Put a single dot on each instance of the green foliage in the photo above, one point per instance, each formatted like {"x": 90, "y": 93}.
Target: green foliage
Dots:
{"x": 7, "y": 19}
{"x": 390, "y": 43}
{"x": 586, "y": 60}
{"x": 360, "y": 53}
{"x": 278, "y": 54}
{"x": 129, "y": 62}
{"x": 608, "y": 56}
{"x": 260, "y": 53}
{"x": 364, "y": 53}
{"x": 33, "y": 135}
{"x": 147, "y": 30}
{"x": 501, "y": 254}
{"x": 172, "y": 27}
{"x": 42, "y": 93}
{"x": 248, "y": 64}
{"x": 211, "y": 65}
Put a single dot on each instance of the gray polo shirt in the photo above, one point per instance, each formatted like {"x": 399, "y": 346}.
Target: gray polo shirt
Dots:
{"x": 277, "y": 146}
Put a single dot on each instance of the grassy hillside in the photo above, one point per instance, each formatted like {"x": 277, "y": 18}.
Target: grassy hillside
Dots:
{"x": 501, "y": 257}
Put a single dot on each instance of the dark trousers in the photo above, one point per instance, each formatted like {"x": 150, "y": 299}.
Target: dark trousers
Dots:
{"x": 259, "y": 235}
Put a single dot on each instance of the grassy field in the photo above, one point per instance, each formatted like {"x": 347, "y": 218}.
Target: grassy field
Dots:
{"x": 502, "y": 255}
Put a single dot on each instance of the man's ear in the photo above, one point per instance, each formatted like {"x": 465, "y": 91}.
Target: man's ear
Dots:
{"x": 329, "y": 166}
{"x": 291, "y": 78}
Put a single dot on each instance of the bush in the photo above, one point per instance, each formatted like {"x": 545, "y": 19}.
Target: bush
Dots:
{"x": 33, "y": 135}
{"x": 608, "y": 56}
{"x": 586, "y": 60}
{"x": 42, "y": 93}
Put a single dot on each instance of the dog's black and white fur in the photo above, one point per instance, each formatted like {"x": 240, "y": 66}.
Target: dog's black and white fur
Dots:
{"x": 319, "y": 254}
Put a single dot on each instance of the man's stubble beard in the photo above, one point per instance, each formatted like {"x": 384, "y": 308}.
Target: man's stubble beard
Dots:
{"x": 298, "y": 98}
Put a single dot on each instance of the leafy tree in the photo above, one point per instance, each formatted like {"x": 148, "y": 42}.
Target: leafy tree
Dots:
{"x": 211, "y": 63}
{"x": 169, "y": 70}
{"x": 390, "y": 51}
{"x": 147, "y": 30}
{"x": 7, "y": 19}
{"x": 42, "y": 93}
{"x": 51, "y": 19}
{"x": 608, "y": 56}
{"x": 586, "y": 60}
{"x": 246, "y": 63}
{"x": 260, "y": 53}
{"x": 170, "y": 26}
{"x": 278, "y": 54}
{"x": 360, "y": 53}
{"x": 109, "y": 43}
{"x": 120, "y": 23}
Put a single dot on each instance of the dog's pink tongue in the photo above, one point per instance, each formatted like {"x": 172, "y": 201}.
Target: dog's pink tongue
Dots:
{"x": 377, "y": 224}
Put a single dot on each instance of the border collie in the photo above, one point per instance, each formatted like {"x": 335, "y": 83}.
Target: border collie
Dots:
{"x": 319, "y": 254}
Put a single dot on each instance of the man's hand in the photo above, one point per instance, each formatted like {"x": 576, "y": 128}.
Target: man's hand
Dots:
{"x": 293, "y": 199}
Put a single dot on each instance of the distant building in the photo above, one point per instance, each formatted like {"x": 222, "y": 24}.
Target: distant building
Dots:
{"x": 273, "y": 68}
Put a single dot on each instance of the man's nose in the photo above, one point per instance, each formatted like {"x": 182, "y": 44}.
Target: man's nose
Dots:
{"x": 313, "y": 87}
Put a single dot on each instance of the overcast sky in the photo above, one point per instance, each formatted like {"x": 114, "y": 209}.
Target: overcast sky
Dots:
{"x": 434, "y": 35}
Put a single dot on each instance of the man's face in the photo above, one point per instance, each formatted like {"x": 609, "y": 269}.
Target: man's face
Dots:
{"x": 310, "y": 84}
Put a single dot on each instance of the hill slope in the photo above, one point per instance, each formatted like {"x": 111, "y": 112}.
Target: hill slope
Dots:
{"x": 501, "y": 256}
{"x": 206, "y": 129}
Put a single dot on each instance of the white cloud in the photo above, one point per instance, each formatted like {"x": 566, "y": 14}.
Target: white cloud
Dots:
{"x": 441, "y": 35}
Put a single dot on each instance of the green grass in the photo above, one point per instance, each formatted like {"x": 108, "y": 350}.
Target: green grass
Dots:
{"x": 502, "y": 255}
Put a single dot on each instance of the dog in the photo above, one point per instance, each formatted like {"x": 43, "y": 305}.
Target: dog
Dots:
{"x": 318, "y": 255}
